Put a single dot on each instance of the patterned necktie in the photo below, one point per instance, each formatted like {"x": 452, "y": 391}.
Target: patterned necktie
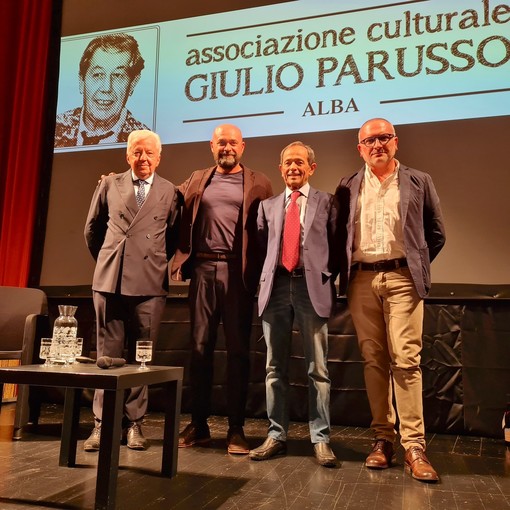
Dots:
{"x": 140, "y": 196}
{"x": 291, "y": 234}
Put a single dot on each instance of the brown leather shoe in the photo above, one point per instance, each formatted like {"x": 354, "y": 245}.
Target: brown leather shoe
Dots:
{"x": 194, "y": 434}
{"x": 324, "y": 454}
{"x": 382, "y": 455}
{"x": 236, "y": 442}
{"x": 419, "y": 466}
{"x": 269, "y": 448}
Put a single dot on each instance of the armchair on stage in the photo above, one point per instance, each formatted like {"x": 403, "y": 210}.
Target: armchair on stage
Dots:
{"x": 23, "y": 322}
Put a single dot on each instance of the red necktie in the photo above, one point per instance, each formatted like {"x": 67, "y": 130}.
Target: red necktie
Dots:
{"x": 291, "y": 234}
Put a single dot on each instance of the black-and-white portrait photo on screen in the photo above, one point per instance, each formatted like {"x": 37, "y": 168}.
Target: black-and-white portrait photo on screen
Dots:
{"x": 114, "y": 79}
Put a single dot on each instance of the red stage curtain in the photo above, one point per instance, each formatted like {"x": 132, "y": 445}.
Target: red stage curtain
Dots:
{"x": 25, "y": 30}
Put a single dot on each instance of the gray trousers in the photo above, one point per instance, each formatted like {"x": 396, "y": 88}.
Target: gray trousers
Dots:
{"x": 121, "y": 321}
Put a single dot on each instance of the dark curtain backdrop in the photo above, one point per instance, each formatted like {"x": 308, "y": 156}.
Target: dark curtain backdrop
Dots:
{"x": 29, "y": 33}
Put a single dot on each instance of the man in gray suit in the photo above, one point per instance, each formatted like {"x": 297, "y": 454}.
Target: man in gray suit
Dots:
{"x": 131, "y": 231}
{"x": 394, "y": 230}
{"x": 297, "y": 283}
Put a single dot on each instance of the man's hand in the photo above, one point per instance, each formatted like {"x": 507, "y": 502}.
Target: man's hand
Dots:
{"x": 103, "y": 176}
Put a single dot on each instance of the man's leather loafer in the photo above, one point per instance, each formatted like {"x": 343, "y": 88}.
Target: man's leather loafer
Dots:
{"x": 324, "y": 454}
{"x": 135, "y": 438}
{"x": 236, "y": 442}
{"x": 94, "y": 440}
{"x": 381, "y": 456}
{"x": 269, "y": 448}
{"x": 419, "y": 466}
{"x": 194, "y": 434}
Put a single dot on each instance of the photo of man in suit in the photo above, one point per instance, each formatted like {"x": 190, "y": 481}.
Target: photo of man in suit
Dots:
{"x": 109, "y": 71}
{"x": 394, "y": 230}
{"x": 131, "y": 231}
{"x": 297, "y": 235}
{"x": 217, "y": 251}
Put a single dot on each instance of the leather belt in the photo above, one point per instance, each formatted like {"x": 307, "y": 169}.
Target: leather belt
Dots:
{"x": 298, "y": 272}
{"x": 382, "y": 265}
{"x": 215, "y": 256}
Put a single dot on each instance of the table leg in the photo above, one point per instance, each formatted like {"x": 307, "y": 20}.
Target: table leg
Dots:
{"x": 108, "y": 461}
{"x": 173, "y": 390}
{"x": 70, "y": 425}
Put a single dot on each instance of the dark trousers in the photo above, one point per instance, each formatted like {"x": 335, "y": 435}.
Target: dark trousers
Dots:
{"x": 121, "y": 321}
{"x": 217, "y": 293}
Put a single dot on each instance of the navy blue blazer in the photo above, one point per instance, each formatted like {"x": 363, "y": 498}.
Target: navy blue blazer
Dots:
{"x": 320, "y": 253}
{"x": 422, "y": 223}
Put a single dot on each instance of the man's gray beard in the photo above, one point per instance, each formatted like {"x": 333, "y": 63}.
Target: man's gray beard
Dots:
{"x": 227, "y": 162}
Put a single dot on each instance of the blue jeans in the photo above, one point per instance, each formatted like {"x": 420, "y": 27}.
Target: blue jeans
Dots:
{"x": 289, "y": 300}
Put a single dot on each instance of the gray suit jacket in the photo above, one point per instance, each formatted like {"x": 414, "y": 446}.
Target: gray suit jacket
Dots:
{"x": 320, "y": 248}
{"x": 132, "y": 246}
{"x": 422, "y": 222}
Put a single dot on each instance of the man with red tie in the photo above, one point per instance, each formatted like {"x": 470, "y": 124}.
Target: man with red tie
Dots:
{"x": 297, "y": 236}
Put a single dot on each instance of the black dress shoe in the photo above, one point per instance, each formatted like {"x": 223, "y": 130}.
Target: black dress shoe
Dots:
{"x": 324, "y": 454}
{"x": 194, "y": 434}
{"x": 269, "y": 448}
{"x": 135, "y": 438}
{"x": 92, "y": 443}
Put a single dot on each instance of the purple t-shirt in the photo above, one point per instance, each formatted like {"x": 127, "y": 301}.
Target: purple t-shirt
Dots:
{"x": 219, "y": 216}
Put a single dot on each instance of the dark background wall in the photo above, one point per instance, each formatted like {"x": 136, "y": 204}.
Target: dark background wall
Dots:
{"x": 465, "y": 158}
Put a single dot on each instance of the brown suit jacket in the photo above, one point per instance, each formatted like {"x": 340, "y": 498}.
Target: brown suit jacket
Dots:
{"x": 132, "y": 246}
{"x": 256, "y": 187}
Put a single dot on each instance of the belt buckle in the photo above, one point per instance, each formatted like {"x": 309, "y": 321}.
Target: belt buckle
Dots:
{"x": 297, "y": 273}
{"x": 379, "y": 266}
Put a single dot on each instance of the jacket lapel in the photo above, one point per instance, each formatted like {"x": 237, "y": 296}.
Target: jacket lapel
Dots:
{"x": 279, "y": 215}
{"x": 127, "y": 194}
{"x": 201, "y": 187}
{"x": 311, "y": 209}
{"x": 404, "y": 183}
{"x": 248, "y": 184}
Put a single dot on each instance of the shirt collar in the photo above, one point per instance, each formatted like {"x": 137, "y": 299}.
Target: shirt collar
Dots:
{"x": 305, "y": 191}
{"x": 369, "y": 175}
{"x": 147, "y": 181}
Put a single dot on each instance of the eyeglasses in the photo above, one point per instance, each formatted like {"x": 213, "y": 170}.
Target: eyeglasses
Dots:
{"x": 383, "y": 139}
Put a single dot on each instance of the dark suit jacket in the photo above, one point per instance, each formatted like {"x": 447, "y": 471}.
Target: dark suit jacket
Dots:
{"x": 132, "y": 246}
{"x": 422, "y": 222}
{"x": 320, "y": 248}
{"x": 256, "y": 188}
{"x": 66, "y": 128}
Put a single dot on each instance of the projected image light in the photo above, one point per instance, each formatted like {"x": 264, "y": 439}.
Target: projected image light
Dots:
{"x": 315, "y": 66}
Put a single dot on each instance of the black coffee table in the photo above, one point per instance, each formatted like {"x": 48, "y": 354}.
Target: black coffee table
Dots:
{"x": 114, "y": 381}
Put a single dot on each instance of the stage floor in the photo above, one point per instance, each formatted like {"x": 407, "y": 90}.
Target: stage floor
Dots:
{"x": 475, "y": 472}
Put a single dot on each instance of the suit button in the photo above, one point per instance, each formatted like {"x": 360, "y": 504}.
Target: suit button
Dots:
{"x": 128, "y": 235}
{"x": 148, "y": 236}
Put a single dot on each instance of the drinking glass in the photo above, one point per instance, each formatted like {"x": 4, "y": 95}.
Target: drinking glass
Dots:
{"x": 45, "y": 351}
{"x": 143, "y": 352}
{"x": 75, "y": 349}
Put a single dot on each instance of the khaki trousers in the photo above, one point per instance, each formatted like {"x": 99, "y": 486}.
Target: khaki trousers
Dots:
{"x": 388, "y": 316}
